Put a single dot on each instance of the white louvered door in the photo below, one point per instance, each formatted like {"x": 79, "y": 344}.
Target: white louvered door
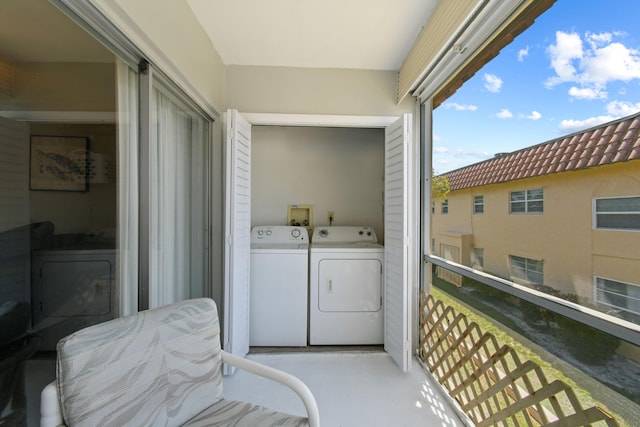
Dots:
{"x": 237, "y": 235}
{"x": 397, "y": 301}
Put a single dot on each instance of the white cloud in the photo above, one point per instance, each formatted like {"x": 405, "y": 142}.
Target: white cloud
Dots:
{"x": 615, "y": 110}
{"x": 591, "y": 63}
{"x": 570, "y": 125}
{"x": 611, "y": 62}
{"x": 440, "y": 150}
{"x": 587, "y": 92}
{"x": 523, "y": 53}
{"x": 621, "y": 108}
{"x": 504, "y": 114}
{"x": 600, "y": 39}
{"x": 492, "y": 82}
{"x": 460, "y": 107}
{"x": 534, "y": 116}
{"x": 568, "y": 48}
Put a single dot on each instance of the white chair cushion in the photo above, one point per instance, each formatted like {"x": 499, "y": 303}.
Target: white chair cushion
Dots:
{"x": 157, "y": 367}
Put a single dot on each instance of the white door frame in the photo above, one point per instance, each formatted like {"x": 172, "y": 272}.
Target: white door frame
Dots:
{"x": 350, "y": 121}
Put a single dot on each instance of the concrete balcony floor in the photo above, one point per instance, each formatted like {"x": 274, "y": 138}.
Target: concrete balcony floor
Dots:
{"x": 352, "y": 389}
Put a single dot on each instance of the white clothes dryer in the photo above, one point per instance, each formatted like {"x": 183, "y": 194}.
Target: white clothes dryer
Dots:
{"x": 345, "y": 286}
{"x": 279, "y": 286}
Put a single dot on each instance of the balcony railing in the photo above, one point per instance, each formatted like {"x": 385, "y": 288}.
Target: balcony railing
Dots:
{"x": 490, "y": 382}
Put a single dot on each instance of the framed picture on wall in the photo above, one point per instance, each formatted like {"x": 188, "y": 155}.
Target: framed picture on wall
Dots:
{"x": 59, "y": 163}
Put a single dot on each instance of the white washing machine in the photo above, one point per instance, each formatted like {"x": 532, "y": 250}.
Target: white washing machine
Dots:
{"x": 345, "y": 286}
{"x": 279, "y": 283}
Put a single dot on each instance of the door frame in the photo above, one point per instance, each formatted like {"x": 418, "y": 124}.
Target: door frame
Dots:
{"x": 356, "y": 121}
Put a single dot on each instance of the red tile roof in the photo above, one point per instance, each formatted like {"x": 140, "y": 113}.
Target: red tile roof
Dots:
{"x": 613, "y": 142}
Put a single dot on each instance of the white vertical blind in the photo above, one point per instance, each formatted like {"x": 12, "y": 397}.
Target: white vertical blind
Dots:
{"x": 397, "y": 302}
{"x": 238, "y": 234}
{"x": 177, "y": 200}
{"x": 128, "y": 191}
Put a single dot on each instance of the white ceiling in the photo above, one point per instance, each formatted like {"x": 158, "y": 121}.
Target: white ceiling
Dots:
{"x": 359, "y": 34}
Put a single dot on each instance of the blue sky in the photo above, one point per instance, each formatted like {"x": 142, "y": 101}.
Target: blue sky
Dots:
{"x": 578, "y": 66}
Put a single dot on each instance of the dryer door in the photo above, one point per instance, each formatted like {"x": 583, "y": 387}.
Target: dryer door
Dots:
{"x": 350, "y": 285}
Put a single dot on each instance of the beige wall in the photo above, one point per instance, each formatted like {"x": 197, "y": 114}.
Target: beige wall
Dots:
{"x": 62, "y": 86}
{"x": 331, "y": 169}
{"x": 313, "y": 91}
{"x": 563, "y": 237}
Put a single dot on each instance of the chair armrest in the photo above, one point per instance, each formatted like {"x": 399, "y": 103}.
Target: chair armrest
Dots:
{"x": 282, "y": 377}
{"x": 50, "y": 411}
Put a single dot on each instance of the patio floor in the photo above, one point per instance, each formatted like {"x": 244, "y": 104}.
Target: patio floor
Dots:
{"x": 352, "y": 389}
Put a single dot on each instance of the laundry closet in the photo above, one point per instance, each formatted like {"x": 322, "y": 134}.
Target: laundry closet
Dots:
{"x": 356, "y": 176}
{"x": 316, "y": 177}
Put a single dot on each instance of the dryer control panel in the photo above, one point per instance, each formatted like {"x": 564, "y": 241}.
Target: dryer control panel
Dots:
{"x": 343, "y": 234}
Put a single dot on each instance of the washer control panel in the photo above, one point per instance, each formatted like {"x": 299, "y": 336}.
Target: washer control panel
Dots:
{"x": 279, "y": 234}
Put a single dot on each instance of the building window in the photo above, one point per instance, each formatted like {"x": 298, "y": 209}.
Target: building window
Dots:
{"x": 445, "y": 206}
{"x": 477, "y": 258}
{"x": 617, "y": 213}
{"x": 619, "y": 296}
{"x": 529, "y": 201}
{"x": 478, "y": 204}
{"x": 526, "y": 270}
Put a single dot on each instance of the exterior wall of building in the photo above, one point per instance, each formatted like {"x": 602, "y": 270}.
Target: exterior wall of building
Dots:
{"x": 562, "y": 237}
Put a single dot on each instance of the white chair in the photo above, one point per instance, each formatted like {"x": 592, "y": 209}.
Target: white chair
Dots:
{"x": 158, "y": 367}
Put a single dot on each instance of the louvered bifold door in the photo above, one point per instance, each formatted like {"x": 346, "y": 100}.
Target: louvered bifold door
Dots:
{"x": 397, "y": 319}
{"x": 237, "y": 235}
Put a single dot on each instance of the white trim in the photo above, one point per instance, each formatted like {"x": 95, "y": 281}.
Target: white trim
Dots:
{"x": 318, "y": 120}
{"x": 594, "y": 214}
{"x": 61, "y": 116}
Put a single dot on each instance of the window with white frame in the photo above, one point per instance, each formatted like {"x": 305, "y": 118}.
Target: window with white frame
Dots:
{"x": 527, "y": 201}
{"x": 617, "y": 213}
{"x": 478, "y": 204}
{"x": 620, "y": 296}
{"x": 477, "y": 258}
{"x": 445, "y": 206}
{"x": 526, "y": 270}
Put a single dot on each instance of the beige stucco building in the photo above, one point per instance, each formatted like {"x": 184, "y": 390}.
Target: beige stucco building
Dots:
{"x": 564, "y": 214}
